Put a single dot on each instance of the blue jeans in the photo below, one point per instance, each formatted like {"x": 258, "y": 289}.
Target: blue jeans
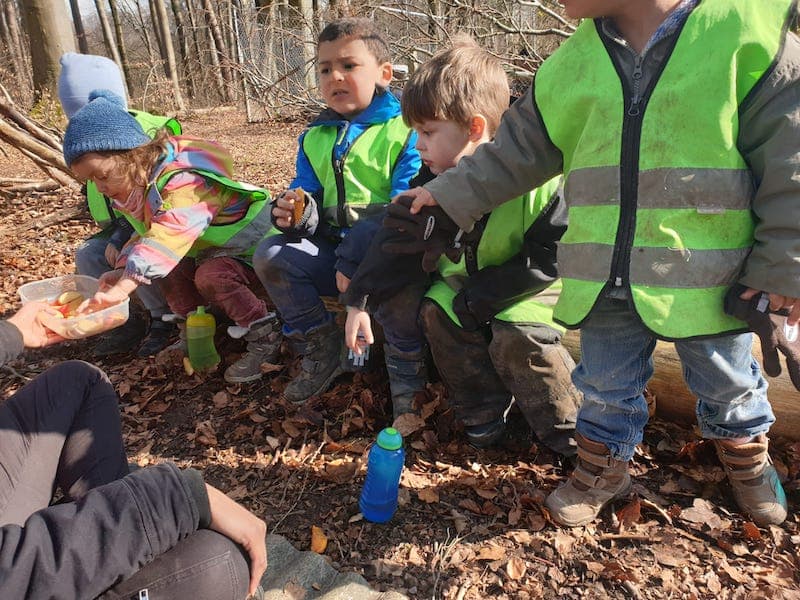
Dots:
{"x": 296, "y": 272}
{"x": 90, "y": 260}
{"x": 617, "y": 361}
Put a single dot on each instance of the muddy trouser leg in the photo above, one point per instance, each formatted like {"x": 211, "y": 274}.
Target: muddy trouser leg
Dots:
{"x": 61, "y": 430}
{"x": 536, "y": 367}
{"x": 204, "y": 566}
{"x": 476, "y": 392}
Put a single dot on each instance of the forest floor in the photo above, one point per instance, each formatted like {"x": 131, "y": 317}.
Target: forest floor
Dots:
{"x": 471, "y": 523}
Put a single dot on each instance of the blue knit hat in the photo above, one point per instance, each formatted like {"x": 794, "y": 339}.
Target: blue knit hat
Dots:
{"x": 102, "y": 125}
{"x": 82, "y": 73}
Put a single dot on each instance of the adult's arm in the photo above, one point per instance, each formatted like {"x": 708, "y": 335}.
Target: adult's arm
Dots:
{"x": 11, "y": 344}
{"x": 520, "y": 158}
{"x": 79, "y": 549}
{"x": 769, "y": 134}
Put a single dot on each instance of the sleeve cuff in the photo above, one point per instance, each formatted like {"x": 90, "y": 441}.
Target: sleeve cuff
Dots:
{"x": 197, "y": 487}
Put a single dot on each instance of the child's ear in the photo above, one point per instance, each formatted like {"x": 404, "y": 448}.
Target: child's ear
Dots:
{"x": 385, "y": 77}
{"x": 477, "y": 127}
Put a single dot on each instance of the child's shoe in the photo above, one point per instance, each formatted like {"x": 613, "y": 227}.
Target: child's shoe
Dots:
{"x": 322, "y": 361}
{"x": 263, "y": 345}
{"x": 755, "y": 483}
{"x": 158, "y": 337}
{"x": 485, "y": 434}
{"x": 407, "y": 376}
{"x": 596, "y": 480}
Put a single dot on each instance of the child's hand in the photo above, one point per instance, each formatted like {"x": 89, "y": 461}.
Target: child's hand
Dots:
{"x": 358, "y": 330}
{"x": 110, "y": 295}
{"x": 283, "y": 210}
{"x": 342, "y": 282}
{"x": 109, "y": 279}
{"x": 421, "y": 196}
{"x": 112, "y": 254}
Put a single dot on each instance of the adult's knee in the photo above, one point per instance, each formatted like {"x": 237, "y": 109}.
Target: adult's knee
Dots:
{"x": 77, "y": 371}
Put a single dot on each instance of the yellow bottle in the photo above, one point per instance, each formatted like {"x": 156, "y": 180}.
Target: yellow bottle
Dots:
{"x": 200, "y": 328}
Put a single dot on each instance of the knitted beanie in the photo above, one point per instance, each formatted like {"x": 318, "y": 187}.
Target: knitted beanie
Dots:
{"x": 82, "y": 73}
{"x": 102, "y": 125}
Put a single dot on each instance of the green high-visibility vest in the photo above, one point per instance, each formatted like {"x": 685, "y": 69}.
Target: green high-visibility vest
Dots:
{"x": 238, "y": 238}
{"x": 502, "y": 239}
{"x": 659, "y": 196}
{"x": 101, "y": 208}
{"x": 360, "y": 183}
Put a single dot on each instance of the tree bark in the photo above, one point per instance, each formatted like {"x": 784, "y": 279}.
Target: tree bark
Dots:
{"x": 50, "y": 36}
{"x": 158, "y": 34}
{"x": 80, "y": 32}
{"x": 221, "y": 50}
{"x": 171, "y": 67}
{"x": 108, "y": 37}
{"x": 122, "y": 59}
{"x": 183, "y": 45}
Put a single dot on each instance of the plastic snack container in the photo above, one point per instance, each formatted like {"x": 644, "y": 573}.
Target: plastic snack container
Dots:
{"x": 80, "y": 326}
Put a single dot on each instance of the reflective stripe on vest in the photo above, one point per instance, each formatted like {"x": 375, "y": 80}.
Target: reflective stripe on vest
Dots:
{"x": 100, "y": 207}
{"x": 658, "y": 194}
{"x": 360, "y": 183}
{"x": 502, "y": 239}
{"x": 234, "y": 238}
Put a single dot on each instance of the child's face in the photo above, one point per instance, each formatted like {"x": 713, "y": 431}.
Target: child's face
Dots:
{"x": 441, "y": 144}
{"x": 110, "y": 180}
{"x": 348, "y": 74}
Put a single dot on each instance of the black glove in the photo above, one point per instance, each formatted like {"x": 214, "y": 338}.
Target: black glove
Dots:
{"x": 769, "y": 327}
{"x": 430, "y": 232}
{"x": 469, "y": 321}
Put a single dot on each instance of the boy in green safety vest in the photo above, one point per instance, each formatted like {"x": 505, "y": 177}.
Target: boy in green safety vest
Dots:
{"x": 352, "y": 159}
{"x": 676, "y": 124}
{"x": 491, "y": 338}
{"x": 196, "y": 227}
{"x": 80, "y": 74}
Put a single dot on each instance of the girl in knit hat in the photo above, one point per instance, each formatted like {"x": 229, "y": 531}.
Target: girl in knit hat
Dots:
{"x": 196, "y": 227}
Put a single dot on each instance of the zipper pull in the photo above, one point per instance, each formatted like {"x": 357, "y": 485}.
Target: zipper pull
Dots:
{"x": 618, "y": 282}
{"x": 633, "y": 110}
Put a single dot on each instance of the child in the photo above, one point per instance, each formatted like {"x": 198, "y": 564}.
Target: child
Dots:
{"x": 351, "y": 160}
{"x": 669, "y": 151}
{"x": 195, "y": 227}
{"x": 80, "y": 74}
{"x": 489, "y": 337}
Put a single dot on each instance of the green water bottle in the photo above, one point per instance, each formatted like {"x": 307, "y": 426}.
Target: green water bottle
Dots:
{"x": 200, "y": 328}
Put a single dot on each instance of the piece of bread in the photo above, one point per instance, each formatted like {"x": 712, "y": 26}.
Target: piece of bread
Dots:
{"x": 299, "y": 206}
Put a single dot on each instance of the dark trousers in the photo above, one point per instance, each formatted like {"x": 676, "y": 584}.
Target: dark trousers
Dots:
{"x": 483, "y": 369}
{"x": 63, "y": 431}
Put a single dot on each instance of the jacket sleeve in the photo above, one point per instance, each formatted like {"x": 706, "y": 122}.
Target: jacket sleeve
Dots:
{"x": 80, "y": 549}
{"x": 769, "y": 134}
{"x": 495, "y": 288}
{"x": 407, "y": 165}
{"x": 521, "y": 157}
{"x": 11, "y": 344}
{"x": 357, "y": 244}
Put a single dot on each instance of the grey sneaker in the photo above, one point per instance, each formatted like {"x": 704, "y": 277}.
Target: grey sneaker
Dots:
{"x": 263, "y": 345}
{"x": 596, "y": 481}
{"x": 755, "y": 483}
{"x": 322, "y": 352}
{"x": 485, "y": 434}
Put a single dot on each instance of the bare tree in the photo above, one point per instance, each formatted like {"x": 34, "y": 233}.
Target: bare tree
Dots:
{"x": 221, "y": 50}
{"x": 170, "y": 68}
{"x": 108, "y": 38}
{"x": 183, "y": 44}
{"x": 122, "y": 61}
{"x": 77, "y": 22}
{"x": 50, "y": 35}
{"x": 12, "y": 38}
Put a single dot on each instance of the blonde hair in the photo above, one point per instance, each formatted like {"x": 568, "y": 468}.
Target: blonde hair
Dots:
{"x": 137, "y": 163}
{"x": 456, "y": 84}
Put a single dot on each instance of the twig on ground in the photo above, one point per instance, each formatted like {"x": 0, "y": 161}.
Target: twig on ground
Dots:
{"x": 302, "y": 487}
{"x": 16, "y": 373}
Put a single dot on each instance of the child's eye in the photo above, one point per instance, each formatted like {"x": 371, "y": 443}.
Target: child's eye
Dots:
{"x": 349, "y": 66}
{"x": 324, "y": 71}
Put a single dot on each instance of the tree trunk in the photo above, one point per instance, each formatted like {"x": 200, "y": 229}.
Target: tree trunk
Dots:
{"x": 9, "y": 30}
{"x": 50, "y": 36}
{"x": 123, "y": 61}
{"x": 221, "y": 50}
{"x": 158, "y": 33}
{"x": 183, "y": 45}
{"x": 195, "y": 31}
{"x": 80, "y": 32}
{"x": 170, "y": 66}
{"x": 108, "y": 38}
{"x": 306, "y": 10}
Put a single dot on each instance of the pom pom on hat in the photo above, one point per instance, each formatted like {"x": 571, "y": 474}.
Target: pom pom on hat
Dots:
{"x": 82, "y": 73}
{"x": 102, "y": 125}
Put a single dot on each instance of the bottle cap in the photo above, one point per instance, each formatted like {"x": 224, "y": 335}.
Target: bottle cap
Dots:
{"x": 390, "y": 439}
{"x": 201, "y": 310}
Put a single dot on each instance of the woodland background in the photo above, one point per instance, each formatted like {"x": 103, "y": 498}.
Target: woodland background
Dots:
{"x": 471, "y": 523}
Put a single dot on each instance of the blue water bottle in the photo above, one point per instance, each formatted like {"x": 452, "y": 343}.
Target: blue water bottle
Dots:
{"x": 379, "y": 496}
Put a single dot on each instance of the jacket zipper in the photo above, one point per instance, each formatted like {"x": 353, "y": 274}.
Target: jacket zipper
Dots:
{"x": 338, "y": 174}
{"x": 629, "y": 176}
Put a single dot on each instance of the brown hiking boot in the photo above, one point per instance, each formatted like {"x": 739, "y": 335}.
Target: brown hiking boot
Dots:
{"x": 755, "y": 483}
{"x": 322, "y": 350}
{"x": 596, "y": 480}
{"x": 263, "y": 345}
